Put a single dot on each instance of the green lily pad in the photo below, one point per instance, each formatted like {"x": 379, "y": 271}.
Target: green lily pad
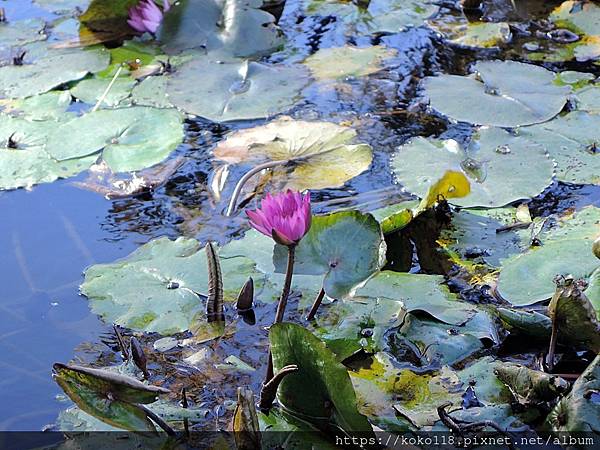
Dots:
{"x": 322, "y": 154}
{"x": 63, "y": 6}
{"x": 593, "y": 291}
{"x": 440, "y": 343}
{"x": 108, "y": 396}
{"x": 588, "y": 99}
{"x": 529, "y": 324}
{"x": 379, "y": 16}
{"x": 235, "y": 91}
{"x": 473, "y": 34}
{"x": 350, "y": 61}
{"x": 531, "y": 386}
{"x": 418, "y": 292}
{"x": 129, "y": 138}
{"x": 571, "y": 141}
{"x": 528, "y": 278}
{"x": 325, "y": 251}
{"x": 49, "y": 106}
{"x": 154, "y": 289}
{"x": 321, "y": 391}
{"x": 574, "y": 316}
{"x": 17, "y": 34}
{"x": 30, "y": 163}
{"x": 232, "y": 28}
{"x": 384, "y": 391}
{"x": 579, "y": 411}
{"x": 473, "y": 235}
{"x": 500, "y": 93}
{"x": 151, "y": 91}
{"x": 91, "y": 90}
{"x": 50, "y": 70}
{"x": 350, "y": 325}
{"x": 582, "y": 18}
{"x": 497, "y": 164}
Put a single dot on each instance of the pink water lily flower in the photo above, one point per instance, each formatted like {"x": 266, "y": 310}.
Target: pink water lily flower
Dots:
{"x": 146, "y": 16}
{"x": 285, "y": 217}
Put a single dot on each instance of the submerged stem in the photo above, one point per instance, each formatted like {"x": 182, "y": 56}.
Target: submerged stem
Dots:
{"x": 315, "y": 305}
{"x": 240, "y": 184}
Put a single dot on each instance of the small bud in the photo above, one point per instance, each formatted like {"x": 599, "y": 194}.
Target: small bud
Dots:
{"x": 596, "y": 247}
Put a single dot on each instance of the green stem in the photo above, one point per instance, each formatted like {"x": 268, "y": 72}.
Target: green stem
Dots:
{"x": 316, "y": 304}
{"x": 287, "y": 285}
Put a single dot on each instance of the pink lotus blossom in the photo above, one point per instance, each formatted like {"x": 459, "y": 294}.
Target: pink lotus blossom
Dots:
{"x": 285, "y": 217}
{"x": 146, "y": 16}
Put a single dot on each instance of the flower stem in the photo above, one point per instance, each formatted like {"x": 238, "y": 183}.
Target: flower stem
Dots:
{"x": 287, "y": 285}
{"x": 316, "y": 304}
{"x": 282, "y": 303}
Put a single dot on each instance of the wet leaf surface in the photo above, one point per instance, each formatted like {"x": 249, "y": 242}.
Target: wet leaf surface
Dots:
{"x": 500, "y": 93}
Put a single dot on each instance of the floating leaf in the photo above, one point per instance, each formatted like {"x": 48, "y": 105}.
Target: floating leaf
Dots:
{"x": 14, "y": 35}
{"x": 325, "y": 251}
{"x": 321, "y": 391}
{"x": 154, "y": 289}
{"x": 496, "y": 163}
{"x": 574, "y": 316}
{"x": 531, "y": 386}
{"x": 50, "y": 70}
{"x": 573, "y": 143}
{"x": 502, "y": 93}
{"x": 579, "y": 411}
{"x": 49, "y": 106}
{"x": 151, "y": 92}
{"x": 526, "y": 323}
{"x": 129, "y": 138}
{"x": 231, "y": 28}
{"x": 29, "y": 163}
{"x": 320, "y": 154}
{"x": 350, "y": 61}
{"x": 91, "y": 90}
{"x": 107, "y": 396}
{"x": 528, "y": 278}
{"x": 417, "y": 292}
{"x": 482, "y": 235}
{"x": 582, "y": 18}
{"x": 473, "y": 34}
{"x": 236, "y": 90}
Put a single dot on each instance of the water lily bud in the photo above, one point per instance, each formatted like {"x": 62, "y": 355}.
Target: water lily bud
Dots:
{"x": 146, "y": 16}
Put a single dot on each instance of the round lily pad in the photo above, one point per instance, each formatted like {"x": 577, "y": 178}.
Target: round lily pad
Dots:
{"x": 50, "y": 70}
{"x": 321, "y": 154}
{"x": 129, "y": 138}
{"x": 24, "y": 161}
{"x": 17, "y": 34}
{"x": 572, "y": 141}
{"x": 235, "y": 91}
{"x": 350, "y": 61}
{"x": 154, "y": 288}
{"x": 233, "y": 28}
{"x": 500, "y": 93}
{"x": 49, "y": 106}
{"x": 501, "y": 167}
{"x": 567, "y": 249}
{"x": 151, "y": 91}
{"x": 325, "y": 251}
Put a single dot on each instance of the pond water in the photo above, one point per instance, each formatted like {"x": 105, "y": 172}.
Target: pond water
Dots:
{"x": 53, "y": 231}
